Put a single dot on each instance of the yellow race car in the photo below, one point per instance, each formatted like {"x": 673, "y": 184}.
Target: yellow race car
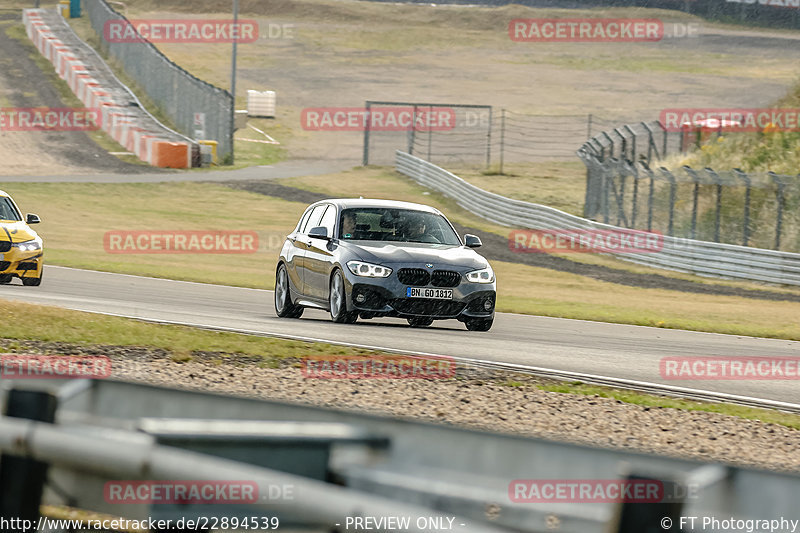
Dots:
{"x": 21, "y": 253}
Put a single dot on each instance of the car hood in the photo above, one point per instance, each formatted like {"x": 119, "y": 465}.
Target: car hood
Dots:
{"x": 439, "y": 255}
{"x": 18, "y": 231}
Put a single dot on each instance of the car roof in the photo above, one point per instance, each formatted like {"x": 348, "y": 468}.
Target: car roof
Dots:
{"x": 4, "y": 193}
{"x": 347, "y": 203}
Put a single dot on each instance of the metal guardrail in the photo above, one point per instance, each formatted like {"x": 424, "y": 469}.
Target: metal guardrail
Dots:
{"x": 101, "y": 430}
{"x": 683, "y": 255}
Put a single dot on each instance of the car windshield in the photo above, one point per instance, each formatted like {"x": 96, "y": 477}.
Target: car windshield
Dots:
{"x": 7, "y": 210}
{"x": 399, "y": 225}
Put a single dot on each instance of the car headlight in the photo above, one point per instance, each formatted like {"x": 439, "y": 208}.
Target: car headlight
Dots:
{"x": 28, "y": 246}
{"x": 485, "y": 275}
{"x": 368, "y": 270}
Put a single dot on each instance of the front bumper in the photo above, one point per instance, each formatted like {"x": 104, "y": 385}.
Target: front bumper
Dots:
{"x": 376, "y": 297}
{"x": 21, "y": 264}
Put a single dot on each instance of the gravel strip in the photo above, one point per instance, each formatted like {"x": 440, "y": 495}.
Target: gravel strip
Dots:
{"x": 476, "y": 399}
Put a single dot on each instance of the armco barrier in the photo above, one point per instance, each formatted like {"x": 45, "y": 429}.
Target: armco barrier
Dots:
{"x": 683, "y": 255}
{"x": 121, "y": 115}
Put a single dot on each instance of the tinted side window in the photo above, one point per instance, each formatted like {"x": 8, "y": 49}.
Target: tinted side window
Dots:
{"x": 312, "y": 219}
{"x": 329, "y": 219}
{"x": 303, "y": 220}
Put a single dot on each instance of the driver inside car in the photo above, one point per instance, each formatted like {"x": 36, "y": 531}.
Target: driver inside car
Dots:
{"x": 348, "y": 225}
{"x": 415, "y": 231}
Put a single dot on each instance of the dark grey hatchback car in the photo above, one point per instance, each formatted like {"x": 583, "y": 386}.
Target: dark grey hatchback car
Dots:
{"x": 379, "y": 258}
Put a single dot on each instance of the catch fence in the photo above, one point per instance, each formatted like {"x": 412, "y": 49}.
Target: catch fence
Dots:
{"x": 190, "y": 103}
{"x": 626, "y": 186}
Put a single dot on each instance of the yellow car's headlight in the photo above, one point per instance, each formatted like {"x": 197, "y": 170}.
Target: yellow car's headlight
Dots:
{"x": 28, "y": 246}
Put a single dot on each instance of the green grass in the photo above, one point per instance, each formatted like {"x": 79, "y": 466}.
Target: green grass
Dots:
{"x": 51, "y": 324}
{"x": 76, "y": 217}
{"x": 768, "y": 416}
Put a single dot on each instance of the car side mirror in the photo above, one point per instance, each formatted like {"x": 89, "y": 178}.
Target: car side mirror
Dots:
{"x": 319, "y": 232}
{"x": 31, "y": 218}
{"x": 472, "y": 241}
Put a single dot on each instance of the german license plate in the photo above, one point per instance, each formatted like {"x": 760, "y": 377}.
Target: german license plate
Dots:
{"x": 435, "y": 294}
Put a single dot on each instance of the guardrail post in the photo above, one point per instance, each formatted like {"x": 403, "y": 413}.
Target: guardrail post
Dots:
{"x": 637, "y": 516}
{"x": 22, "y": 479}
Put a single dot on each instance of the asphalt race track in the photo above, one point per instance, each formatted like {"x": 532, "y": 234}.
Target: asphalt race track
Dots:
{"x": 613, "y": 350}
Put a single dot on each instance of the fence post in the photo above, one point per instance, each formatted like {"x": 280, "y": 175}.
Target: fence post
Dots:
{"x": 746, "y": 228}
{"x": 430, "y": 134}
{"x": 635, "y": 172}
{"x": 650, "y": 175}
{"x": 610, "y": 144}
{"x": 696, "y": 179}
{"x": 718, "y": 181}
{"x": 365, "y": 155}
{"x": 489, "y": 142}
{"x": 779, "y": 218}
{"x": 502, "y": 137}
{"x": 633, "y": 142}
{"x": 672, "y": 187}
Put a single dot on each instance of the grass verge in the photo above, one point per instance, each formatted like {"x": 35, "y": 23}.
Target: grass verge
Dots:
{"x": 52, "y": 324}
{"x": 768, "y": 416}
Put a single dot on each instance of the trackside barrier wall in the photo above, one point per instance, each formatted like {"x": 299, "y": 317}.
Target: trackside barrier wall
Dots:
{"x": 120, "y": 115}
{"x": 683, "y": 255}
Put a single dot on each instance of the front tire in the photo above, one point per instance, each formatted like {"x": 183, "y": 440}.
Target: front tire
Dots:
{"x": 479, "y": 324}
{"x": 5, "y": 279}
{"x": 33, "y": 282}
{"x": 284, "y": 307}
{"x": 337, "y": 301}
